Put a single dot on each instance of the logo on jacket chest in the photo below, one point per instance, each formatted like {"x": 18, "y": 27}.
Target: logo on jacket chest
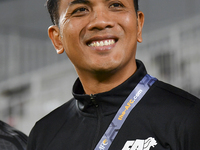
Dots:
{"x": 140, "y": 144}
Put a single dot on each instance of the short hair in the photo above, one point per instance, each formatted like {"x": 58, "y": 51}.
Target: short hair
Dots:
{"x": 53, "y": 7}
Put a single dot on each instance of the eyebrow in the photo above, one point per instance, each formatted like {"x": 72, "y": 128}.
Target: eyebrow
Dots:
{"x": 79, "y": 2}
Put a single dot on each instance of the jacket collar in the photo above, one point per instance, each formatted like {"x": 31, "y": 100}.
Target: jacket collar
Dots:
{"x": 108, "y": 102}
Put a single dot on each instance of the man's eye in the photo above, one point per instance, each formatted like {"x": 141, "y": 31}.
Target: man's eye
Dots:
{"x": 79, "y": 10}
{"x": 115, "y": 5}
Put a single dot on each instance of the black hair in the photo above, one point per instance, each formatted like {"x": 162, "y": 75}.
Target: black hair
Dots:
{"x": 53, "y": 7}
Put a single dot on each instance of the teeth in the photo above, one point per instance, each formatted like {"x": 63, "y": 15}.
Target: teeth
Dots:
{"x": 102, "y": 43}
{"x": 106, "y": 43}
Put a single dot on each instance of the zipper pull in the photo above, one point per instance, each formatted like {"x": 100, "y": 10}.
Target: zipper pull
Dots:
{"x": 92, "y": 97}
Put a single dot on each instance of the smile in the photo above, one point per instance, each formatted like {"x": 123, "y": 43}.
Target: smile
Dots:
{"x": 102, "y": 43}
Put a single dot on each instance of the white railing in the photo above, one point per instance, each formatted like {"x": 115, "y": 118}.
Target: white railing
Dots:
{"x": 172, "y": 54}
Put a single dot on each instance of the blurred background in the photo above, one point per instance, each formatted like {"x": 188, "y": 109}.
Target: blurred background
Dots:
{"x": 34, "y": 80}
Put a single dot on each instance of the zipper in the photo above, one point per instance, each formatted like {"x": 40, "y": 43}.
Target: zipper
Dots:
{"x": 92, "y": 97}
{"x": 95, "y": 142}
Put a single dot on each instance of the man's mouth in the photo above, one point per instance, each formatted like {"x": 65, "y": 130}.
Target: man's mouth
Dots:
{"x": 102, "y": 43}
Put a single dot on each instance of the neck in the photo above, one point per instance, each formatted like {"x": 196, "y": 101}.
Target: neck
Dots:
{"x": 100, "y": 82}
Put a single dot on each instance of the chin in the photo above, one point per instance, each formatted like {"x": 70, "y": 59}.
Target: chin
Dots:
{"x": 105, "y": 69}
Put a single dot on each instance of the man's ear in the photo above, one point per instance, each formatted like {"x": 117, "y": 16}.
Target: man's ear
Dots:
{"x": 54, "y": 35}
{"x": 140, "y": 26}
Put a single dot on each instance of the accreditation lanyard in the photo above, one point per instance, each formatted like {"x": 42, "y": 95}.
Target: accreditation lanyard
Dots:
{"x": 132, "y": 100}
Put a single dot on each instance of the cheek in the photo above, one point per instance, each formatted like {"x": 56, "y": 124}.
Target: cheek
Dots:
{"x": 130, "y": 29}
{"x": 129, "y": 23}
{"x": 72, "y": 43}
{"x": 74, "y": 32}
{"x": 70, "y": 36}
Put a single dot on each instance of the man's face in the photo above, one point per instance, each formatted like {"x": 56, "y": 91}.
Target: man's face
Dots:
{"x": 98, "y": 35}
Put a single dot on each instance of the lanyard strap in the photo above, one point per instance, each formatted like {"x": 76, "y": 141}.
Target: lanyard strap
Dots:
{"x": 132, "y": 100}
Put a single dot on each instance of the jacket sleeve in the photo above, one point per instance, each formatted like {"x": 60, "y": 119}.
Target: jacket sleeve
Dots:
{"x": 190, "y": 130}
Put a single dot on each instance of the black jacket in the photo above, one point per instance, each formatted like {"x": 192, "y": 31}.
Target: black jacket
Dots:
{"x": 11, "y": 139}
{"x": 166, "y": 118}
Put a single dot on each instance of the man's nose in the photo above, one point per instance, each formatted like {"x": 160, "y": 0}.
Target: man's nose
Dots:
{"x": 100, "y": 19}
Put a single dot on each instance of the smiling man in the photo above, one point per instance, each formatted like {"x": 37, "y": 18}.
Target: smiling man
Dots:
{"x": 100, "y": 39}
{"x": 116, "y": 105}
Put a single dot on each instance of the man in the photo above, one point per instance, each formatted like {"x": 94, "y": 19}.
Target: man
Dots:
{"x": 100, "y": 38}
{"x": 11, "y": 139}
